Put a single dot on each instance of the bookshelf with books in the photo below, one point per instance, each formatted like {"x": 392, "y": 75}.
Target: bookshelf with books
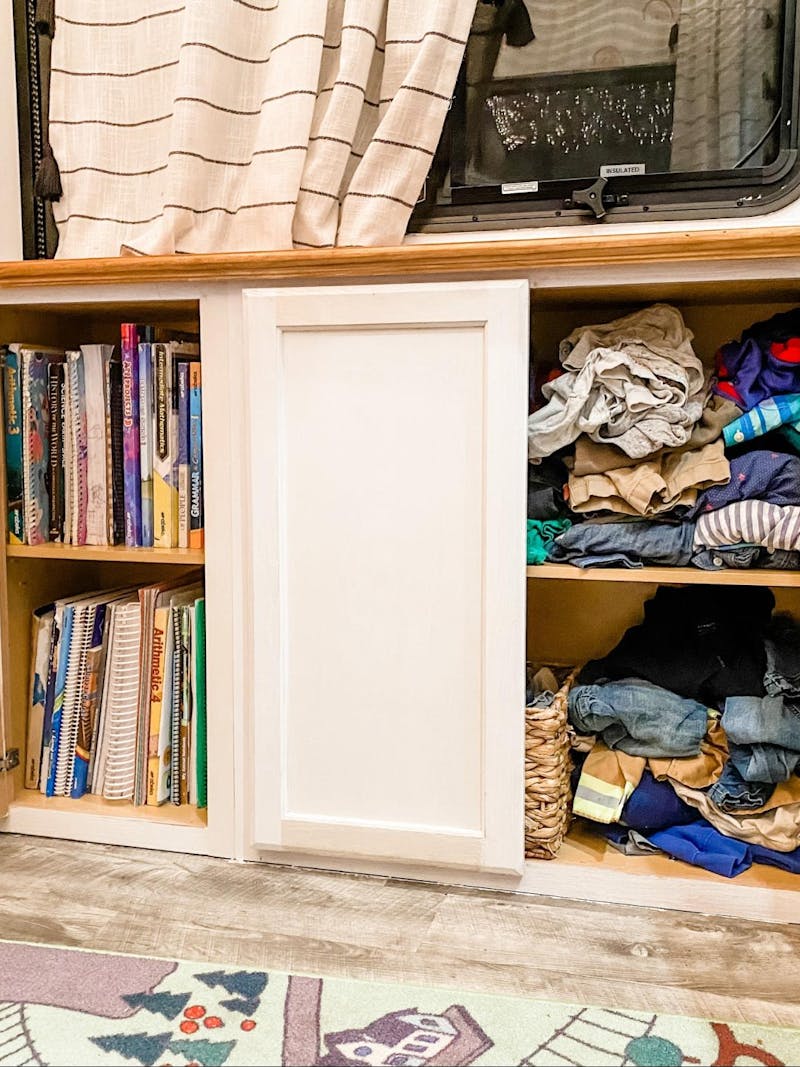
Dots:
{"x": 103, "y": 591}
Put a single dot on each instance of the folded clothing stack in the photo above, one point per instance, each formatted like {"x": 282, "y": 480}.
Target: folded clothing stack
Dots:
{"x": 695, "y": 719}
{"x": 644, "y": 461}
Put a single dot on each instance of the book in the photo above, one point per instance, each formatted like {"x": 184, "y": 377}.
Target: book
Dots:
{"x": 12, "y": 393}
{"x": 184, "y": 763}
{"x": 164, "y": 533}
{"x": 157, "y": 763}
{"x": 175, "y": 708}
{"x": 191, "y": 774}
{"x": 149, "y": 599}
{"x": 146, "y": 430}
{"x": 116, "y": 445}
{"x": 66, "y": 457}
{"x": 183, "y": 453}
{"x": 41, "y": 635}
{"x": 163, "y": 771}
{"x": 36, "y": 441}
{"x": 95, "y": 359}
{"x": 49, "y": 703}
{"x": 55, "y": 480}
{"x": 132, "y": 457}
{"x": 78, "y": 470}
{"x": 88, "y": 704}
{"x": 82, "y": 626}
{"x": 64, "y": 646}
{"x": 196, "y": 504}
{"x": 115, "y": 771}
{"x": 199, "y": 659}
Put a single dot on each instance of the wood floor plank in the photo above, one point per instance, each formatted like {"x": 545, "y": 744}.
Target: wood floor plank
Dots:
{"x": 379, "y": 929}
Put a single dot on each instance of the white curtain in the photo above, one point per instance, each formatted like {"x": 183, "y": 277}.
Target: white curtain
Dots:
{"x": 726, "y": 81}
{"x": 238, "y": 125}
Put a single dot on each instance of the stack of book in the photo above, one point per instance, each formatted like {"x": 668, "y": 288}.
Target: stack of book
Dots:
{"x": 117, "y": 695}
{"x": 105, "y": 450}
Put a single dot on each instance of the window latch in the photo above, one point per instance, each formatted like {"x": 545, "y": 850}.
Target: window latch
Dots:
{"x": 597, "y": 198}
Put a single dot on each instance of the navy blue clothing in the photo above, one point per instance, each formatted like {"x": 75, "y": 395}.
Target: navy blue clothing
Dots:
{"x": 786, "y": 861}
{"x": 760, "y": 475}
{"x": 701, "y": 845}
{"x": 655, "y": 805}
{"x": 783, "y": 658}
{"x": 705, "y": 642}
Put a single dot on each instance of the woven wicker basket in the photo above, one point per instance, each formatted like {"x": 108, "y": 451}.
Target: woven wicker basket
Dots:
{"x": 547, "y": 770}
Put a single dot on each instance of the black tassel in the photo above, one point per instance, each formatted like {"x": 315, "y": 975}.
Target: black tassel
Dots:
{"x": 519, "y": 30}
{"x": 48, "y": 180}
{"x": 46, "y": 17}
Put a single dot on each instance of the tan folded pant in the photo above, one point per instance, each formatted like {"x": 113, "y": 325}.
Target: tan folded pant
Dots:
{"x": 652, "y": 486}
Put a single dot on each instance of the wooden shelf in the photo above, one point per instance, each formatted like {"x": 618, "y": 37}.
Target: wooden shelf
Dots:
{"x": 172, "y": 814}
{"x": 421, "y": 256}
{"x": 666, "y": 575}
{"x": 587, "y": 868}
{"x": 107, "y": 553}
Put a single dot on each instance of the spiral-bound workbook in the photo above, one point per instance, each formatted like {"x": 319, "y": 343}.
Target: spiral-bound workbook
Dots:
{"x": 114, "y": 772}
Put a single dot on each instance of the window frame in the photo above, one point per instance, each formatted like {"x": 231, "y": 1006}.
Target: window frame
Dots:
{"x": 656, "y": 196}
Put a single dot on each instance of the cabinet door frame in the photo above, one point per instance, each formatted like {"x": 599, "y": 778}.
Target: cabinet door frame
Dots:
{"x": 500, "y": 309}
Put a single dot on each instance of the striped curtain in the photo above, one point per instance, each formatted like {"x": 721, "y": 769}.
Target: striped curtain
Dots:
{"x": 241, "y": 125}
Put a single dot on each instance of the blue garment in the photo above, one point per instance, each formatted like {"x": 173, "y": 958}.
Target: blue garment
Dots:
{"x": 743, "y": 556}
{"x": 771, "y": 413}
{"x": 625, "y": 544}
{"x": 733, "y": 794}
{"x": 701, "y": 845}
{"x": 769, "y": 728}
{"x": 758, "y": 475}
{"x": 639, "y": 718}
{"x": 786, "y": 861}
{"x": 654, "y": 805}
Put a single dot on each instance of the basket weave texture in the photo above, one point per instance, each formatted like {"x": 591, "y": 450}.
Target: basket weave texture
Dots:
{"x": 548, "y": 796}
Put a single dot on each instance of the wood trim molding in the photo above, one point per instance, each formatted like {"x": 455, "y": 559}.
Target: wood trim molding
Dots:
{"x": 606, "y": 249}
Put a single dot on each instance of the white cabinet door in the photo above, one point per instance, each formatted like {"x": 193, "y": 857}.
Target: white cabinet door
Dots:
{"x": 386, "y": 430}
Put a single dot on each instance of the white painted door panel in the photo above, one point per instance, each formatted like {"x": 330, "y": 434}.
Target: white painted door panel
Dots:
{"x": 387, "y": 431}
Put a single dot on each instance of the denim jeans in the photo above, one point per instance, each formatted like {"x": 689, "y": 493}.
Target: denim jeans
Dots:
{"x": 764, "y": 739}
{"x": 762, "y": 720}
{"x": 639, "y": 718}
{"x": 732, "y": 794}
{"x": 625, "y": 544}
{"x": 744, "y": 556}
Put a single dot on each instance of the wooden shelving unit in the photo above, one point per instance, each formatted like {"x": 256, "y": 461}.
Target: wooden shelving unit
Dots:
{"x": 107, "y": 553}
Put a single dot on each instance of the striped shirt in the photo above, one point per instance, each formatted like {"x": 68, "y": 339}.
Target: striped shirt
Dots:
{"x": 768, "y": 415}
{"x": 751, "y": 522}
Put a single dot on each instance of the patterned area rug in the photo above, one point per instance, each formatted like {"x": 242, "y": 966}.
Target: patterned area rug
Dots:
{"x": 66, "y": 1007}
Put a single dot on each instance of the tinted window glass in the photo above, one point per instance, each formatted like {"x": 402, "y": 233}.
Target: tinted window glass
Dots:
{"x": 560, "y": 89}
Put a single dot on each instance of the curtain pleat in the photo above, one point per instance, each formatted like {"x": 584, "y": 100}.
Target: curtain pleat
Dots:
{"x": 239, "y": 125}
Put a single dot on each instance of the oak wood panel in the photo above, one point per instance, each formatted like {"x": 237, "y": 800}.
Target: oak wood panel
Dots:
{"x": 391, "y": 931}
{"x": 568, "y": 250}
{"x": 664, "y": 575}
{"x": 89, "y": 804}
{"x": 107, "y": 553}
